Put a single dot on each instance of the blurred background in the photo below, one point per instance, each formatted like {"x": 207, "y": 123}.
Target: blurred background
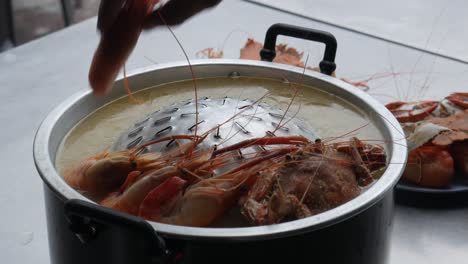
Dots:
{"x": 25, "y": 20}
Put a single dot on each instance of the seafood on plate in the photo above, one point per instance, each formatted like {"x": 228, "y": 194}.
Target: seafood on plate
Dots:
{"x": 293, "y": 178}
{"x": 412, "y": 112}
{"x": 437, "y": 137}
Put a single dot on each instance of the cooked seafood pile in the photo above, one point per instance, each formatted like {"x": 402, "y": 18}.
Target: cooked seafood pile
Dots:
{"x": 193, "y": 178}
{"x": 437, "y": 137}
{"x": 271, "y": 178}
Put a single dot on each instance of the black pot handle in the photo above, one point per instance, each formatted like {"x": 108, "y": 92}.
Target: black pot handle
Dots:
{"x": 87, "y": 220}
{"x": 327, "y": 65}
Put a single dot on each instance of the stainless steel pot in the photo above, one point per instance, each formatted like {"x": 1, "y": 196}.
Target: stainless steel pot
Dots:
{"x": 82, "y": 232}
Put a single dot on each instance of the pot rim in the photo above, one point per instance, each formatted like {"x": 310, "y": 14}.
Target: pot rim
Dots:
{"x": 397, "y": 153}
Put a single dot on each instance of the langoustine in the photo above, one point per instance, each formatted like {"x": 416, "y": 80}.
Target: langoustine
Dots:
{"x": 189, "y": 187}
{"x": 438, "y": 138}
{"x": 100, "y": 174}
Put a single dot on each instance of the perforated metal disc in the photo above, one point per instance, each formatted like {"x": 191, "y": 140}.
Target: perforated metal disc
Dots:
{"x": 239, "y": 120}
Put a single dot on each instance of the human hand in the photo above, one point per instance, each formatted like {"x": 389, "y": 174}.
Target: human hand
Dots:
{"x": 121, "y": 22}
{"x": 174, "y": 12}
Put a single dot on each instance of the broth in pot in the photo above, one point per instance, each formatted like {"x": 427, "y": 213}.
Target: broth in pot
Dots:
{"x": 316, "y": 152}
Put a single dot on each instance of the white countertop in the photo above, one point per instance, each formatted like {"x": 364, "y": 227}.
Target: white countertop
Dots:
{"x": 436, "y": 26}
{"x": 37, "y": 76}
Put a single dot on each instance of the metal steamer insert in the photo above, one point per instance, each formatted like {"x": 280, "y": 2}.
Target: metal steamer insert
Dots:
{"x": 231, "y": 120}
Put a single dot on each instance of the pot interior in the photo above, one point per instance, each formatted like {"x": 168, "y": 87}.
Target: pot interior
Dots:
{"x": 169, "y": 79}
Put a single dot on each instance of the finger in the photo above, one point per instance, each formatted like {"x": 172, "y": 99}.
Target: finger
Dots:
{"x": 113, "y": 50}
{"x": 177, "y": 11}
{"x": 108, "y": 12}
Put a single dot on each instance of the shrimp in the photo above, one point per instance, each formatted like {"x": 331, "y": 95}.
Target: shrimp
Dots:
{"x": 130, "y": 196}
{"x": 106, "y": 172}
{"x": 144, "y": 181}
{"x": 206, "y": 201}
{"x": 412, "y": 111}
{"x": 203, "y": 203}
{"x": 460, "y": 99}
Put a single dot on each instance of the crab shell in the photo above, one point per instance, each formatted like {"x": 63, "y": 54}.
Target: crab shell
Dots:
{"x": 313, "y": 180}
{"x": 458, "y": 125}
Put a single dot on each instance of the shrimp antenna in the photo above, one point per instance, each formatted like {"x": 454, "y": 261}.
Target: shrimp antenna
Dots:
{"x": 127, "y": 87}
{"x": 294, "y": 97}
{"x": 191, "y": 69}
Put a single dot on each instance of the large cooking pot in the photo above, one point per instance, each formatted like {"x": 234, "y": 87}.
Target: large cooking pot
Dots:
{"x": 358, "y": 231}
